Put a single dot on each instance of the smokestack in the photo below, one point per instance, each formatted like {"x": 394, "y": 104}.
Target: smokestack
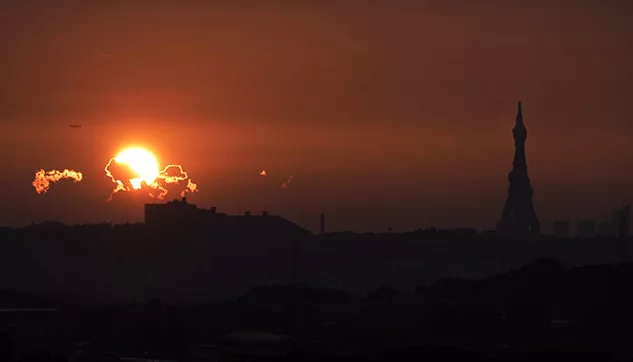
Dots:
{"x": 322, "y": 223}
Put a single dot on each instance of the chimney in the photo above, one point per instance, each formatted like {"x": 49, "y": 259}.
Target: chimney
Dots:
{"x": 247, "y": 213}
{"x": 322, "y": 223}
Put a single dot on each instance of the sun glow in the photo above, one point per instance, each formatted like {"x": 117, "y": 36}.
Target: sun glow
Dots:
{"x": 146, "y": 174}
{"x": 142, "y": 162}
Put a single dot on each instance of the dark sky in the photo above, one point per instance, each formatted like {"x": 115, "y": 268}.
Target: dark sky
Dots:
{"x": 387, "y": 113}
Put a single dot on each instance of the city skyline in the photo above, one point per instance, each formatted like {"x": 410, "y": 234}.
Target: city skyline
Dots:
{"x": 253, "y": 180}
{"x": 133, "y": 200}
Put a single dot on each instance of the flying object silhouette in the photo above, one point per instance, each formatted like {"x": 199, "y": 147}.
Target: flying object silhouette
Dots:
{"x": 75, "y": 126}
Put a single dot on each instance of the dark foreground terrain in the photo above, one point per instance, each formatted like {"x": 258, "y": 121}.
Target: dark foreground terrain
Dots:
{"x": 539, "y": 312}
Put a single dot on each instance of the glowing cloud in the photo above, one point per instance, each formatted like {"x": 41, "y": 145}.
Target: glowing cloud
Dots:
{"x": 263, "y": 173}
{"x": 43, "y": 179}
{"x": 137, "y": 169}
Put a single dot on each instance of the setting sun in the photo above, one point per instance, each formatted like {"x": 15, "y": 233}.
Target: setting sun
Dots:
{"x": 141, "y": 162}
{"x": 135, "y": 166}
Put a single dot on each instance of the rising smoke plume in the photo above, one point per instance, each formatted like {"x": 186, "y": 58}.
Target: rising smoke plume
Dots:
{"x": 43, "y": 179}
{"x": 285, "y": 184}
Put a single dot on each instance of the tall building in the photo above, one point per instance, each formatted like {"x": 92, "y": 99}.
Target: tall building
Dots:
{"x": 622, "y": 221}
{"x": 322, "y": 223}
{"x": 518, "y": 217}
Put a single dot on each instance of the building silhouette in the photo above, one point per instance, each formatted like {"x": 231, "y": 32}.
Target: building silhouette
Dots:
{"x": 322, "y": 224}
{"x": 518, "y": 217}
{"x": 180, "y": 215}
{"x": 561, "y": 229}
{"x": 605, "y": 228}
{"x": 586, "y": 229}
{"x": 622, "y": 221}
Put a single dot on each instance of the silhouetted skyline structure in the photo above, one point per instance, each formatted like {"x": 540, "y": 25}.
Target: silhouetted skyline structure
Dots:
{"x": 182, "y": 215}
{"x": 519, "y": 217}
{"x": 322, "y": 223}
{"x": 561, "y": 228}
{"x": 418, "y": 262}
{"x": 586, "y": 229}
{"x": 622, "y": 218}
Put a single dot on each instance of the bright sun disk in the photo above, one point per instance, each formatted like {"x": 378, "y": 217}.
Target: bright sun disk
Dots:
{"x": 141, "y": 162}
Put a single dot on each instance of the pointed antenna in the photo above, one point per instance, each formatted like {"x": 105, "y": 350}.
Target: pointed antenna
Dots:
{"x": 519, "y": 115}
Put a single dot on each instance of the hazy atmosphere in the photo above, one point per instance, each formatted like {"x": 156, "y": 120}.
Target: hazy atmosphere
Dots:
{"x": 387, "y": 114}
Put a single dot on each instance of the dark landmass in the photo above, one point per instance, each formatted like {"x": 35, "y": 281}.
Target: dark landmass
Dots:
{"x": 217, "y": 287}
{"x": 223, "y": 260}
{"x": 539, "y": 312}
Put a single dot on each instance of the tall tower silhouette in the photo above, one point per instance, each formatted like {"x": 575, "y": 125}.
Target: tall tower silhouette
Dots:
{"x": 519, "y": 217}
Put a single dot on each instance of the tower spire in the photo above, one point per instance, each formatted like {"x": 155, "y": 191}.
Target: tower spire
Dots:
{"x": 519, "y": 119}
{"x": 518, "y": 217}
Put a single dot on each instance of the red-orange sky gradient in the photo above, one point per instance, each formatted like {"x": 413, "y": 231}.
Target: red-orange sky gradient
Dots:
{"x": 388, "y": 114}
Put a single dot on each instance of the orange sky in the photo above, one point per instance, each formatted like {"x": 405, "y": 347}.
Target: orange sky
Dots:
{"x": 392, "y": 114}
